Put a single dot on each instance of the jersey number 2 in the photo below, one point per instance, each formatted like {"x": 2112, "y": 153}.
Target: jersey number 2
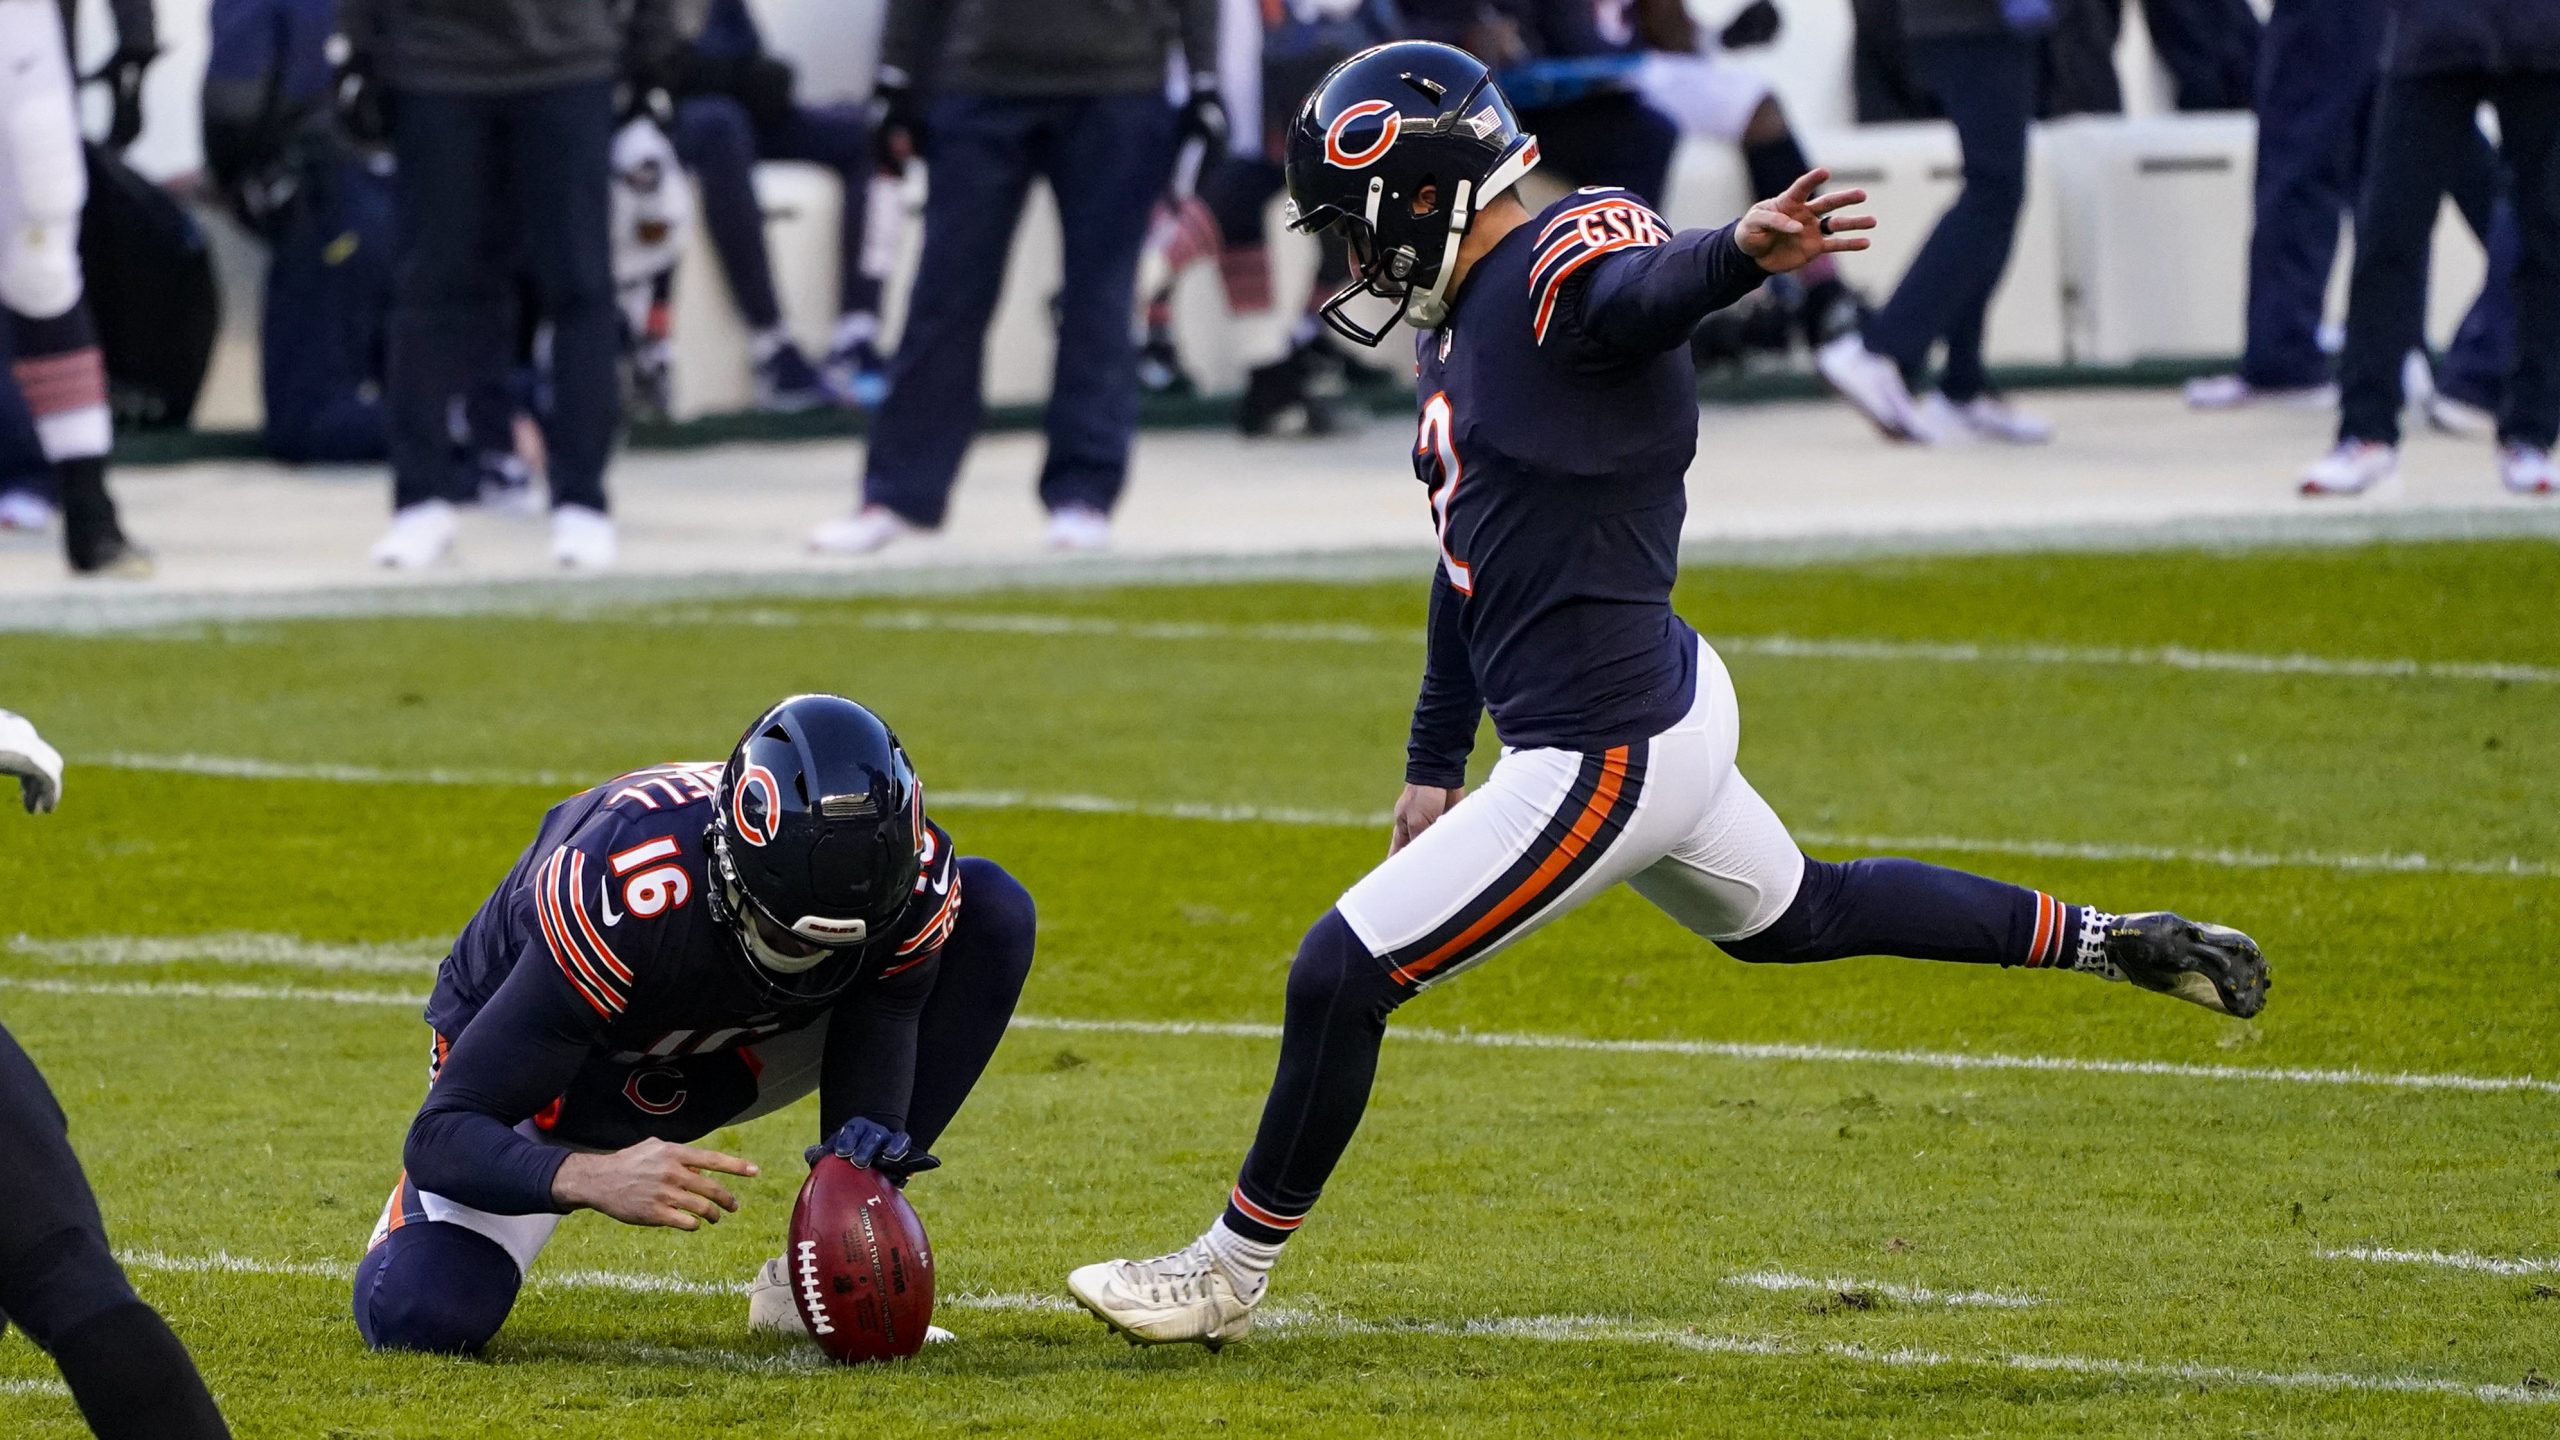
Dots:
{"x": 1437, "y": 448}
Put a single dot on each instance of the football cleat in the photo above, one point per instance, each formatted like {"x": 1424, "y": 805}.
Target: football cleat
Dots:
{"x": 419, "y": 536}
{"x": 1874, "y": 386}
{"x": 2527, "y": 470}
{"x": 581, "y": 538}
{"x": 1184, "y": 1296}
{"x": 2356, "y": 467}
{"x": 2214, "y": 966}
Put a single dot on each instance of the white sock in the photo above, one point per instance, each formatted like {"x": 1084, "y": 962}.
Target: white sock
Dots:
{"x": 1247, "y": 1262}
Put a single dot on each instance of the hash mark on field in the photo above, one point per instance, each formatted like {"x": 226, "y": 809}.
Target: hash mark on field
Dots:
{"x": 1480, "y": 1039}
{"x": 1784, "y": 1280}
{"x": 1553, "y": 1329}
{"x": 2223, "y": 857}
{"x": 2446, "y": 1259}
{"x": 1784, "y": 647}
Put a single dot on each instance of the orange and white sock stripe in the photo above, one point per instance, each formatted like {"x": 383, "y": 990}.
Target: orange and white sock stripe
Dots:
{"x": 2046, "y": 946}
{"x": 1264, "y": 1214}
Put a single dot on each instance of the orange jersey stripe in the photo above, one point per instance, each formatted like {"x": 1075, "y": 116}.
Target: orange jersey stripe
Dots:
{"x": 1586, "y": 825}
{"x": 571, "y": 899}
{"x": 563, "y": 952}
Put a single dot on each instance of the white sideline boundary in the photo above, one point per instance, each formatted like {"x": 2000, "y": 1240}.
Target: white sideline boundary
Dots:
{"x": 2443, "y": 1260}
{"x": 2387, "y": 862}
{"x": 1553, "y": 1329}
{"x": 1783, "y": 647}
{"x": 1746, "y": 1051}
{"x": 1787, "y": 1281}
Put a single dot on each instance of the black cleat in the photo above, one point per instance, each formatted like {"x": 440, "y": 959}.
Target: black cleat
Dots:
{"x": 2214, "y": 966}
{"x": 1160, "y": 369}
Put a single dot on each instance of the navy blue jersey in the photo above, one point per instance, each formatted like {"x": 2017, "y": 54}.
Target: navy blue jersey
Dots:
{"x": 1559, "y": 414}
{"x": 610, "y": 895}
{"x": 600, "y": 952}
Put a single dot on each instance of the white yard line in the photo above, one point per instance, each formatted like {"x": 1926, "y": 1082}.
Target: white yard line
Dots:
{"x": 1784, "y": 647}
{"x": 1747, "y": 1051}
{"x": 235, "y": 947}
{"x": 2442, "y": 1259}
{"x": 1551, "y": 1329}
{"x": 2220, "y": 857}
{"x": 1788, "y": 1281}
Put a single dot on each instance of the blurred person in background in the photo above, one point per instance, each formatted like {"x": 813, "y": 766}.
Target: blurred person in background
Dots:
{"x": 1287, "y": 46}
{"x": 59, "y": 1280}
{"x": 1977, "y": 59}
{"x": 2319, "y": 68}
{"x": 54, "y": 361}
{"x": 735, "y": 107}
{"x": 1569, "y": 68}
{"x": 1689, "y": 74}
{"x": 991, "y": 94}
{"x": 501, "y": 115}
{"x": 2442, "y": 60}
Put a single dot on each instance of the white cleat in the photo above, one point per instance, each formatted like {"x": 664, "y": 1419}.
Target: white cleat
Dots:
{"x": 770, "y": 1310}
{"x": 2356, "y": 467}
{"x": 25, "y": 512}
{"x": 1172, "y": 1299}
{"x": 2525, "y": 470}
{"x": 581, "y": 539}
{"x": 2230, "y": 392}
{"x": 1079, "y": 529}
{"x": 1872, "y": 384}
{"x": 420, "y": 535}
{"x": 1984, "y": 417}
{"x": 867, "y": 531}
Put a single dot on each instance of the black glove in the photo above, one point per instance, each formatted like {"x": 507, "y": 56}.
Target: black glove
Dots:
{"x": 764, "y": 86}
{"x": 875, "y": 1146}
{"x": 897, "y": 121}
{"x": 123, "y": 74}
{"x": 1204, "y": 117}
{"x": 1756, "y": 25}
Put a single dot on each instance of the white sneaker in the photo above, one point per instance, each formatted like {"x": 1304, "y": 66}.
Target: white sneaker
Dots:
{"x": 1984, "y": 417}
{"x": 2230, "y": 392}
{"x": 1184, "y": 1296}
{"x": 2460, "y": 417}
{"x": 1872, "y": 384}
{"x": 25, "y": 511}
{"x": 770, "y": 1310}
{"x": 581, "y": 539}
{"x": 419, "y": 536}
{"x": 2527, "y": 471}
{"x": 872, "y": 528}
{"x": 2356, "y": 467}
{"x": 1079, "y": 528}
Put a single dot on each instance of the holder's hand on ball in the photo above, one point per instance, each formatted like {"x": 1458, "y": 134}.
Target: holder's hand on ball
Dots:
{"x": 874, "y": 1146}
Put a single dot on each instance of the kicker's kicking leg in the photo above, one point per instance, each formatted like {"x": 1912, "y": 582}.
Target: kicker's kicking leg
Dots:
{"x": 1339, "y": 998}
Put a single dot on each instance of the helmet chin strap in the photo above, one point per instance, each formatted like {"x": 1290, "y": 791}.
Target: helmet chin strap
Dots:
{"x": 1430, "y": 308}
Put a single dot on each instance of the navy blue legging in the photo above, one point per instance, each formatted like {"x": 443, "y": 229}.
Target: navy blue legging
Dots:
{"x": 720, "y": 143}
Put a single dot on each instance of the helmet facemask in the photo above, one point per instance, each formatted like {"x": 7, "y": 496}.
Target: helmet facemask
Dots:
{"x": 779, "y": 952}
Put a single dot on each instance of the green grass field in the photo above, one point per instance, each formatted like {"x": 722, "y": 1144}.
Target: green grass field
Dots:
{"x": 271, "y": 829}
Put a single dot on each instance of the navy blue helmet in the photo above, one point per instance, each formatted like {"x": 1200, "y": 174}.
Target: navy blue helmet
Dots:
{"x": 1374, "y": 133}
{"x": 814, "y": 843}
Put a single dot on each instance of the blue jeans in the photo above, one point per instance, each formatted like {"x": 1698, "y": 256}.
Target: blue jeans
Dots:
{"x": 493, "y": 187}
{"x": 1986, "y": 84}
{"x": 720, "y": 143}
{"x": 1106, "y": 160}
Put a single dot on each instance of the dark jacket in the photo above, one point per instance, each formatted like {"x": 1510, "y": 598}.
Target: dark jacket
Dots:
{"x": 2499, "y": 37}
{"x": 1048, "y": 47}
{"x": 504, "y": 47}
{"x": 1929, "y": 19}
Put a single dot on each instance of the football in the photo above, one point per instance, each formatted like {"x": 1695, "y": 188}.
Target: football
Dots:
{"x": 861, "y": 1269}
